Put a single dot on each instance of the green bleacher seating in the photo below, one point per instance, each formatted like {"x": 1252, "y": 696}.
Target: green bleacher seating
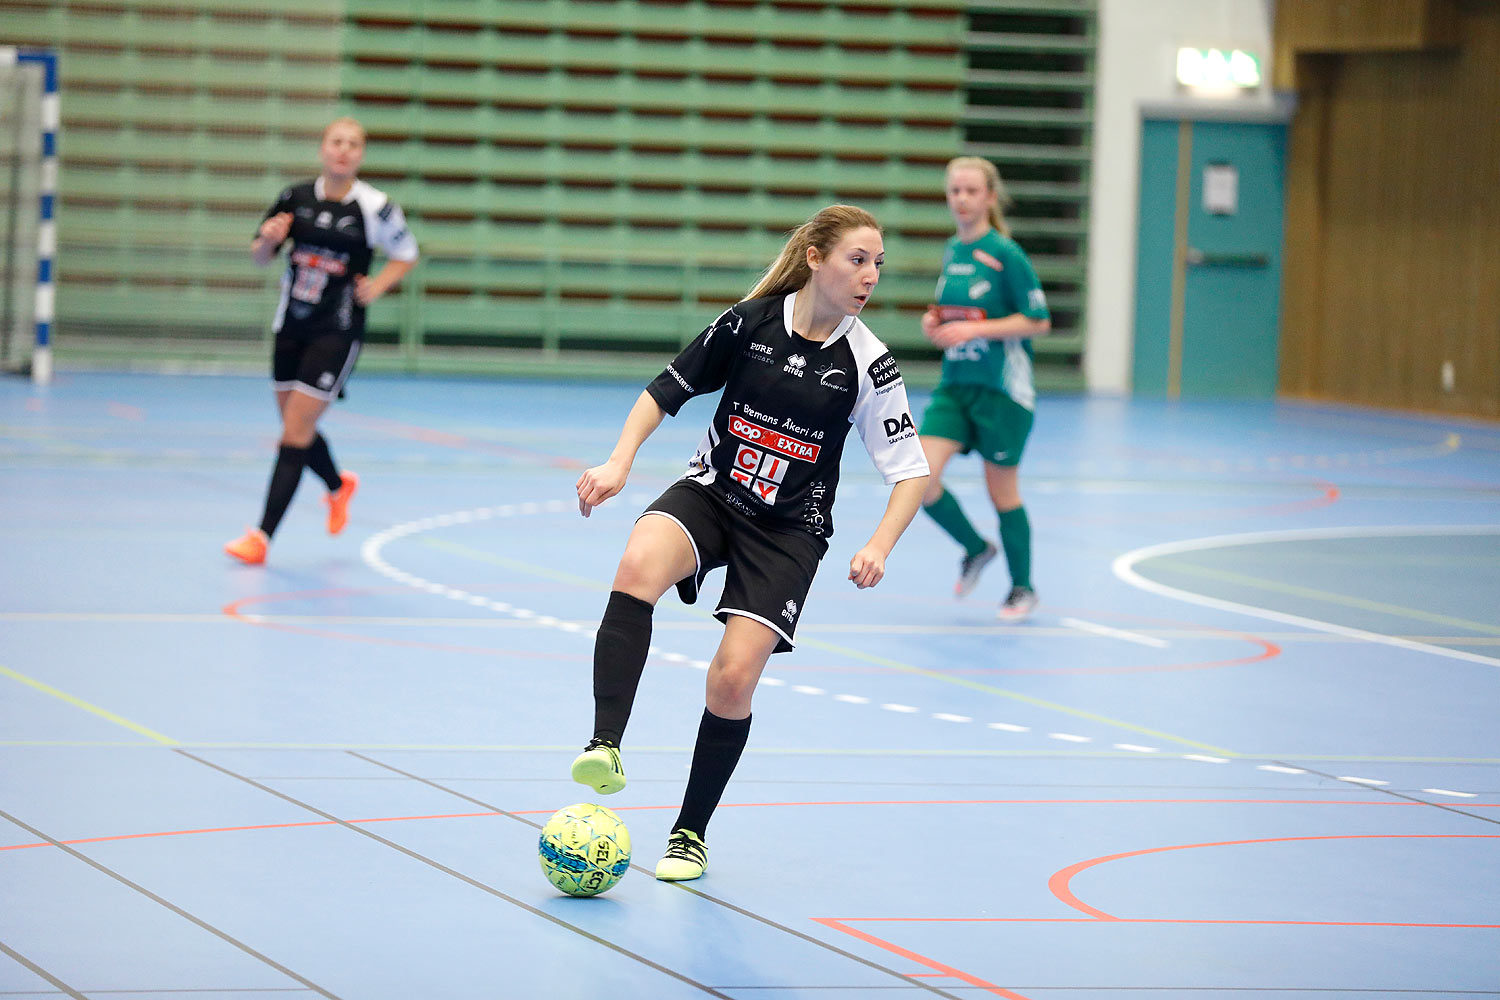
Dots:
{"x": 599, "y": 176}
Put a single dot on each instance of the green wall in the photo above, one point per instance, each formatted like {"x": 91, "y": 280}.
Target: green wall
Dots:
{"x": 588, "y": 180}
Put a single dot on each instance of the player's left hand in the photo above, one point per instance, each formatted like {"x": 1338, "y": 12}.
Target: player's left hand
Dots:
{"x": 598, "y": 484}
{"x": 867, "y": 568}
{"x": 930, "y": 322}
{"x": 957, "y": 331}
{"x": 366, "y": 290}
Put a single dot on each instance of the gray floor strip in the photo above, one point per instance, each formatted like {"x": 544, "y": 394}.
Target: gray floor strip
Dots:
{"x": 458, "y": 875}
{"x": 242, "y": 946}
{"x": 906, "y": 981}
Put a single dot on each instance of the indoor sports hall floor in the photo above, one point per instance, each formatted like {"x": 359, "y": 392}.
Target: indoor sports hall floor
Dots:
{"x": 1247, "y": 747}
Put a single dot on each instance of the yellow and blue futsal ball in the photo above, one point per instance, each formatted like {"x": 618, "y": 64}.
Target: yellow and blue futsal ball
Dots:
{"x": 584, "y": 849}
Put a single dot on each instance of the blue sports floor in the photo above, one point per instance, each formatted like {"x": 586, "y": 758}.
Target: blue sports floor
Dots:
{"x": 1247, "y": 747}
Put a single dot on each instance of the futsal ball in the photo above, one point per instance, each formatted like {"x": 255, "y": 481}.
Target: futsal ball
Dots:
{"x": 584, "y": 849}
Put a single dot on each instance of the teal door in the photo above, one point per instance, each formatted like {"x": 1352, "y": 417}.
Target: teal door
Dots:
{"x": 1208, "y": 263}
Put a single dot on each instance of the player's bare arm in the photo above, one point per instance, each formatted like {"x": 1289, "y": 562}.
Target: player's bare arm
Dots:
{"x": 1002, "y": 328}
{"x": 368, "y": 289}
{"x": 867, "y": 568}
{"x": 598, "y": 484}
{"x": 273, "y": 232}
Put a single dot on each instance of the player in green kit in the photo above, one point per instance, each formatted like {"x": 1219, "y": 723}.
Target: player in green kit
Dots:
{"x": 989, "y": 305}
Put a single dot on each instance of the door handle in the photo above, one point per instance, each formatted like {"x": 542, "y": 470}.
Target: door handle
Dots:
{"x": 1198, "y": 258}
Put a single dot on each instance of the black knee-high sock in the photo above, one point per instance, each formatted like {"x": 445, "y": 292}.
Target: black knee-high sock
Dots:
{"x": 720, "y": 743}
{"x": 619, "y": 659}
{"x": 284, "y": 478}
{"x": 320, "y": 460}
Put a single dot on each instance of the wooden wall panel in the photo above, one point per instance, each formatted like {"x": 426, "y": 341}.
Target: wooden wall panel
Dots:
{"x": 1366, "y": 25}
{"x": 1392, "y": 267}
{"x": 1303, "y": 249}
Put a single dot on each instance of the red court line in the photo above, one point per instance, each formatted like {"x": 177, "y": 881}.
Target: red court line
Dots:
{"x": 239, "y": 829}
{"x": 1098, "y": 916}
{"x": 748, "y": 805}
{"x": 1098, "y": 802}
{"x": 232, "y": 609}
{"x": 448, "y": 439}
{"x": 931, "y": 963}
{"x": 1329, "y": 494}
{"x": 1059, "y": 882}
{"x": 1155, "y": 920}
{"x": 1269, "y": 650}
{"x": 842, "y": 924}
{"x": 316, "y": 822}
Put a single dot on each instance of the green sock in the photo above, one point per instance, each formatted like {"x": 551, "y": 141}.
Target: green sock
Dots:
{"x": 1015, "y": 538}
{"x": 950, "y": 517}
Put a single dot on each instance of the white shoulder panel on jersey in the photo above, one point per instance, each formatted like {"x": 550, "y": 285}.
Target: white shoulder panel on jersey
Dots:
{"x": 862, "y": 341}
{"x": 882, "y": 414}
{"x": 385, "y": 225}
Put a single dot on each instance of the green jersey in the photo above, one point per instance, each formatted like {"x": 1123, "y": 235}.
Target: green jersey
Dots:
{"x": 988, "y": 279}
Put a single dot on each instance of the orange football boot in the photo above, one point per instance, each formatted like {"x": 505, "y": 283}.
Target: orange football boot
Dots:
{"x": 338, "y": 502}
{"x": 250, "y": 548}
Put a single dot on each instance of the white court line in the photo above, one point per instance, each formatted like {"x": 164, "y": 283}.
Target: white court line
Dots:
{"x": 1114, "y": 633}
{"x": 1124, "y": 568}
{"x": 371, "y": 551}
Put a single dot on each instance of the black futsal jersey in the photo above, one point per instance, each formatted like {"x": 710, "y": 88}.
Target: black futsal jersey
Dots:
{"x": 773, "y": 448}
{"x": 332, "y": 241}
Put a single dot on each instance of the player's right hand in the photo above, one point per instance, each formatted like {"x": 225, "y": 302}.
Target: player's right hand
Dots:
{"x": 598, "y": 484}
{"x": 277, "y": 227}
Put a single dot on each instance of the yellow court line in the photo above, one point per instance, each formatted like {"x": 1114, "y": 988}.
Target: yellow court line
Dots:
{"x": 706, "y": 623}
{"x": 907, "y": 668}
{"x": 479, "y": 555}
{"x": 1289, "y": 757}
{"x": 1277, "y": 586}
{"x": 902, "y": 753}
{"x": 77, "y": 702}
{"x": 1292, "y": 757}
{"x": 856, "y": 654}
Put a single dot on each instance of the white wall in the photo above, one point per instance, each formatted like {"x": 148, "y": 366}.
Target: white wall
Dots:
{"x": 1138, "y": 42}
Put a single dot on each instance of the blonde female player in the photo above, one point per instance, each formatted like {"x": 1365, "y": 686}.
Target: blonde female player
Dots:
{"x": 798, "y": 368}
{"x": 334, "y": 224}
{"x": 989, "y": 305}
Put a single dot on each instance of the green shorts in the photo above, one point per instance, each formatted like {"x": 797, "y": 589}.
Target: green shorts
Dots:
{"x": 980, "y": 419}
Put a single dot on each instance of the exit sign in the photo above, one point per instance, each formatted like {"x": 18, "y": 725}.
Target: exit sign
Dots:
{"x": 1218, "y": 69}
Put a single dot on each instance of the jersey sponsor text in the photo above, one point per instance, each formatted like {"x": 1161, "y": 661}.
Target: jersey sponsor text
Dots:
{"x": 686, "y": 386}
{"x": 773, "y": 440}
{"x": 884, "y": 370}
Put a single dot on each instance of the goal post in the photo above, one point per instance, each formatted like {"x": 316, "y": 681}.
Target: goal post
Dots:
{"x": 30, "y": 114}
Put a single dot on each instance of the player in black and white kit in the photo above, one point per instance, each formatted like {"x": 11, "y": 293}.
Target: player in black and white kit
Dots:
{"x": 798, "y": 369}
{"x": 334, "y": 224}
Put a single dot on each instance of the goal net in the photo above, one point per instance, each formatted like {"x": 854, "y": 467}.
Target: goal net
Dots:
{"x": 27, "y": 194}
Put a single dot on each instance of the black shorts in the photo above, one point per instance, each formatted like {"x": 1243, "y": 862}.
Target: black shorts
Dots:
{"x": 318, "y": 364}
{"x": 770, "y": 566}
